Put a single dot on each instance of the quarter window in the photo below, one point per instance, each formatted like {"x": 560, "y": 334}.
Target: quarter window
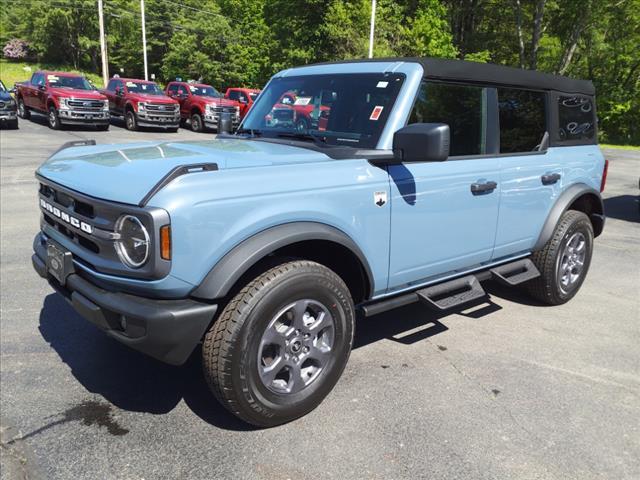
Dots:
{"x": 461, "y": 107}
{"x": 522, "y": 120}
{"x": 111, "y": 86}
{"x": 576, "y": 118}
{"x": 173, "y": 88}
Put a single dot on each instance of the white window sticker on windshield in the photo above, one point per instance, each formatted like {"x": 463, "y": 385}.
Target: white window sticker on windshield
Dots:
{"x": 382, "y": 84}
{"x": 302, "y": 101}
{"x": 131, "y": 84}
{"x": 192, "y": 88}
{"x": 53, "y": 77}
{"x": 375, "y": 114}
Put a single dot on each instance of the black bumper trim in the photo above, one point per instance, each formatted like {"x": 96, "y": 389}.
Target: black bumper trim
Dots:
{"x": 167, "y": 330}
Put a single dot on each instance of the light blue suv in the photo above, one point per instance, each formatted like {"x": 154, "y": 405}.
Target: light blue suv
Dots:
{"x": 350, "y": 187}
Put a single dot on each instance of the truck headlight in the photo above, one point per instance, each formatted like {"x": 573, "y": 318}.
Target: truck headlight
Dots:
{"x": 133, "y": 243}
{"x": 141, "y": 106}
{"x": 63, "y": 104}
{"x": 105, "y": 105}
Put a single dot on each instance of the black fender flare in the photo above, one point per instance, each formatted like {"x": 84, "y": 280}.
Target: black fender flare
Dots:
{"x": 562, "y": 204}
{"x": 230, "y": 268}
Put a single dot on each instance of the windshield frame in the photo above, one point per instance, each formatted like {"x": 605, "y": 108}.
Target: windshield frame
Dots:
{"x": 369, "y": 137}
{"x": 205, "y": 87}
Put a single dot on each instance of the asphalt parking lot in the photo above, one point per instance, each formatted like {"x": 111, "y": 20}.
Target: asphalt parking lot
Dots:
{"x": 509, "y": 389}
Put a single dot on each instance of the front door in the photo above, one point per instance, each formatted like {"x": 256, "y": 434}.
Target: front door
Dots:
{"x": 444, "y": 214}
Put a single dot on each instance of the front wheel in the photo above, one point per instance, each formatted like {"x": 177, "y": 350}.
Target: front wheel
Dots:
{"x": 130, "y": 121}
{"x": 197, "y": 124}
{"x": 54, "y": 119}
{"x": 281, "y": 344}
{"x": 564, "y": 261}
{"x": 23, "y": 110}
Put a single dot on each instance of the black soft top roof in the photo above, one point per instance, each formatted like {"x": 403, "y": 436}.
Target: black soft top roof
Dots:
{"x": 460, "y": 70}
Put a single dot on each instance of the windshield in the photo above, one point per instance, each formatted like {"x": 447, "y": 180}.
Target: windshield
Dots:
{"x": 346, "y": 109}
{"x": 144, "y": 88}
{"x": 79, "y": 83}
{"x": 204, "y": 91}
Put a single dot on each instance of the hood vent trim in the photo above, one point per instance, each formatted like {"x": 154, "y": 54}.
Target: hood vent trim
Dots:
{"x": 175, "y": 173}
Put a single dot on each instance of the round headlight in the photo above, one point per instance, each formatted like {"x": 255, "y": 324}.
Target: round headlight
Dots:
{"x": 133, "y": 244}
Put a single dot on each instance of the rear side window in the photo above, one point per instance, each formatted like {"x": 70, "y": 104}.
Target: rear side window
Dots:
{"x": 576, "y": 118}
{"x": 173, "y": 88}
{"x": 233, "y": 95}
{"x": 522, "y": 120}
{"x": 461, "y": 107}
{"x": 111, "y": 86}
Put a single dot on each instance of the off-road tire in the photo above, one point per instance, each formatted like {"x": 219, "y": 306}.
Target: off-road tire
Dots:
{"x": 23, "y": 110}
{"x": 546, "y": 287}
{"x": 230, "y": 348}
{"x": 53, "y": 120}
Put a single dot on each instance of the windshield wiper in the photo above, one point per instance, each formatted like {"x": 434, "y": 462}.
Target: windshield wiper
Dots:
{"x": 303, "y": 136}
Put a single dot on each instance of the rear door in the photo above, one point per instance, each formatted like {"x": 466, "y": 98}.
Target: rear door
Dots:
{"x": 439, "y": 225}
{"x": 530, "y": 179}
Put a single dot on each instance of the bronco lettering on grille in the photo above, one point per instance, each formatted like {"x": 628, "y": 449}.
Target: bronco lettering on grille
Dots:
{"x": 65, "y": 217}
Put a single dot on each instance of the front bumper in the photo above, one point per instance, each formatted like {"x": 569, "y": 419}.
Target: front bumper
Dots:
{"x": 71, "y": 117}
{"x": 167, "y": 330}
{"x": 211, "y": 120}
{"x": 162, "y": 121}
{"x": 8, "y": 115}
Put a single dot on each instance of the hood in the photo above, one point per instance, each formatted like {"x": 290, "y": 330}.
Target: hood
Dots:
{"x": 222, "y": 102}
{"x": 126, "y": 173}
{"x": 140, "y": 97}
{"x": 77, "y": 93}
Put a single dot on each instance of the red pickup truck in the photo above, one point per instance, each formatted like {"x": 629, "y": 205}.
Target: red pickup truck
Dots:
{"x": 299, "y": 111}
{"x": 202, "y": 105}
{"x": 142, "y": 104}
{"x": 244, "y": 96}
{"x": 66, "y": 98}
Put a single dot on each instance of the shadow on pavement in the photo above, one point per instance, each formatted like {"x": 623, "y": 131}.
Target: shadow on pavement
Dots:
{"x": 129, "y": 380}
{"x": 623, "y": 207}
{"x": 134, "y": 382}
{"x": 41, "y": 119}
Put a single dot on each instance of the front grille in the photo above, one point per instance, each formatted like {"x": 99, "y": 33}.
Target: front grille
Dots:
{"x": 78, "y": 206}
{"x": 86, "y": 105}
{"x": 2, "y": 104}
{"x": 161, "y": 109}
{"x": 224, "y": 109}
{"x": 283, "y": 114}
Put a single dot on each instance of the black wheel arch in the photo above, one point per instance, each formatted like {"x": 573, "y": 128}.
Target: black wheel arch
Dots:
{"x": 580, "y": 197}
{"x": 306, "y": 240}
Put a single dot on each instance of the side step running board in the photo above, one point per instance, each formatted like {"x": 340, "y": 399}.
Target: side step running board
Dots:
{"x": 515, "y": 273}
{"x": 452, "y": 293}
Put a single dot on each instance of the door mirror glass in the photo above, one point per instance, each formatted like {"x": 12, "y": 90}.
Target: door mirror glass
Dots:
{"x": 422, "y": 142}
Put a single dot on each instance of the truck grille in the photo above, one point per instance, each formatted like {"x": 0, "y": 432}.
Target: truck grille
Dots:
{"x": 86, "y": 105}
{"x": 2, "y": 104}
{"x": 218, "y": 109}
{"x": 168, "y": 109}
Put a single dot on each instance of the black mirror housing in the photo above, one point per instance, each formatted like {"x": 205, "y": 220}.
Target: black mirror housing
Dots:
{"x": 422, "y": 142}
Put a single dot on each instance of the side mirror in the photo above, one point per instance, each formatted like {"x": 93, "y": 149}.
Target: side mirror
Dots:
{"x": 42, "y": 88}
{"x": 12, "y": 90}
{"x": 422, "y": 142}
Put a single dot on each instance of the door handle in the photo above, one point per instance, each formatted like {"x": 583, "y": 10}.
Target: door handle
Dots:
{"x": 550, "y": 178}
{"x": 485, "y": 187}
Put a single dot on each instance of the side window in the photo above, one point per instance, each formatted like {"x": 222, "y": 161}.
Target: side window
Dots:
{"x": 522, "y": 120}
{"x": 183, "y": 90}
{"x": 233, "y": 95}
{"x": 462, "y": 107}
{"x": 173, "y": 88}
{"x": 38, "y": 79}
{"x": 243, "y": 98}
{"x": 111, "y": 86}
{"x": 576, "y": 119}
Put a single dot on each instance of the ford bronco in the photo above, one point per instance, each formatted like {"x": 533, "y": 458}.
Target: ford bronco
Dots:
{"x": 428, "y": 178}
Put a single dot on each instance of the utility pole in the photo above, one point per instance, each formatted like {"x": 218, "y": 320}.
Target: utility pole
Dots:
{"x": 144, "y": 42}
{"x": 373, "y": 27}
{"x": 103, "y": 47}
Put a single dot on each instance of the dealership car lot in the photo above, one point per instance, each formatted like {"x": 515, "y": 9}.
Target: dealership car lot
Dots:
{"x": 506, "y": 389}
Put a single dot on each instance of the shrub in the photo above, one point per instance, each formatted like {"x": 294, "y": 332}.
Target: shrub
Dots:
{"x": 16, "y": 49}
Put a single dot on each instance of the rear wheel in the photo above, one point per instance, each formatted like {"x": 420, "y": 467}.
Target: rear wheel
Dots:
{"x": 197, "y": 125}
{"x": 130, "y": 121}
{"x": 54, "y": 119}
{"x": 281, "y": 344}
{"x": 564, "y": 261}
{"x": 23, "y": 110}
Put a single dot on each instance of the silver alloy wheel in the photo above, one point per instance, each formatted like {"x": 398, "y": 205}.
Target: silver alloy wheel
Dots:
{"x": 21, "y": 108}
{"x": 296, "y": 346}
{"x": 130, "y": 121}
{"x": 571, "y": 262}
{"x": 52, "y": 117}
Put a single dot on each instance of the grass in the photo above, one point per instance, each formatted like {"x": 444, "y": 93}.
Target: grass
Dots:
{"x": 12, "y": 72}
{"x": 620, "y": 147}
